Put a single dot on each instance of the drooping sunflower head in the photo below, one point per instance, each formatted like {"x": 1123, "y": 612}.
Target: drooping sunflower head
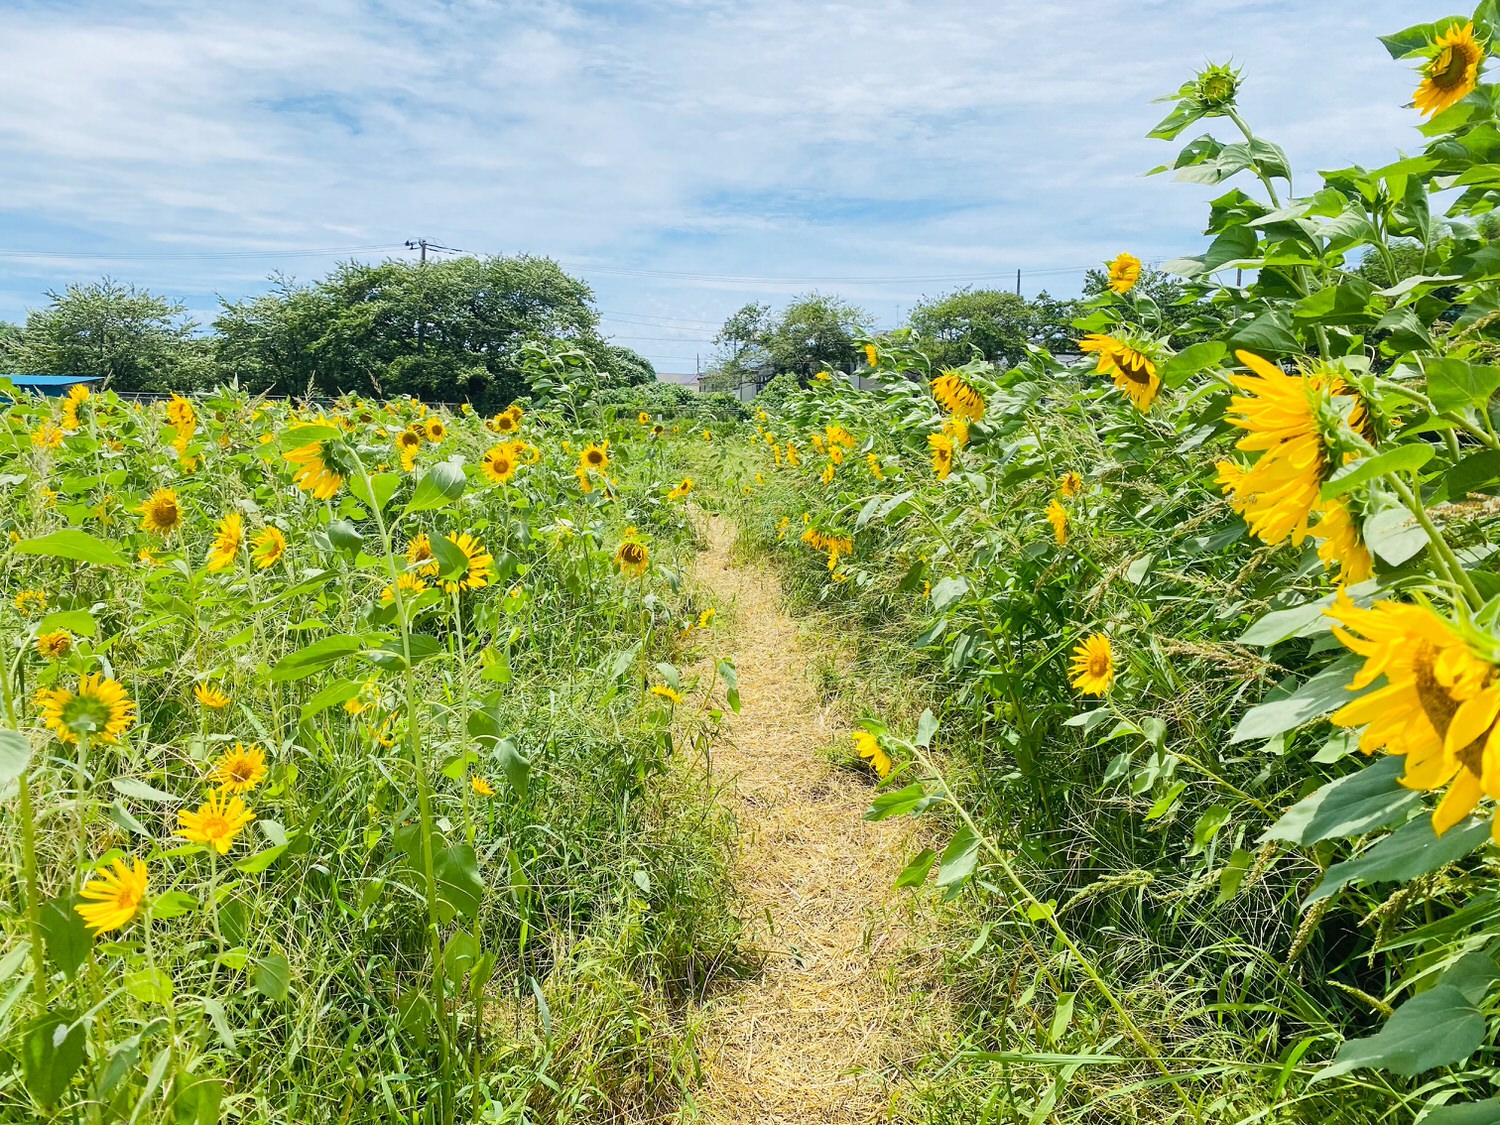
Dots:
{"x": 872, "y": 355}
{"x": 227, "y": 540}
{"x": 160, "y": 514}
{"x": 1057, "y": 516}
{"x": 1293, "y": 422}
{"x": 1439, "y": 707}
{"x": 98, "y": 709}
{"x": 957, "y": 396}
{"x": 837, "y": 435}
{"x": 216, "y": 823}
{"x": 1132, "y": 369}
{"x": 868, "y": 747}
{"x": 942, "y": 447}
{"x": 54, "y": 646}
{"x": 182, "y": 416}
{"x": 318, "y": 467}
{"x": 662, "y": 691}
{"x": 267, "y": 547}
{"x": 30, "y": 601}
{"x": 1341, "y": 545}
{"x": 47, "y": 436}
{"x": 1092, "y": 668}
{"x": 214, "y": 698}
{"x": 481, "y": 786}
{"x": 595, "y": 457}
{"x": 498, "y": 464}
{"x": 113, "y": 896}
{"x": 241, "y": 769}
{"x": 632, "y": 557}
{"x": 479, "y": 564}
{"x": 1452, "y": 72}
{"x": 1124, "y": 272}
{"x": 409, "y": 585}
{"x": 876, "y": 469}
{"x": 1070, "y": 485}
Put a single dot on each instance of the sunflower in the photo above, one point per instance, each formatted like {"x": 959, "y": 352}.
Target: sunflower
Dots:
{"x": 873, "y": 462}
{"x": 1452, "y": 72}
{"x": 643, "y": 418}
{"x": 708, "y": 435}
{"x": 1092, "y": 668}
{"x": 1057, "y": 516}
{"x": 828, "y": 472}
{"x": 942, "y": 454}
{"x": 434, "y": 430}
{"x": 868, "y": 747}
{"x": 681, "y": 491}
{"x": 408, "y": 443}
{"x": 957, "y": 397}
{"x": 480, "y": 562}
{"x": 481, "y": 786}
{"x": 241, "y": 769}
{"x": 498, "y": 464}
{"x": 957, "y": 427}
{"x": 47, "y": 436}
{"x": 793, "y": 458}
{"x": 1438, "y": 708}
{"x": 1124, "y": 272}
{"x": 1069, "y": 485}
{"x": 1281, "y": 413}
{"x": 419, "y": 555}
{"x": 226, "y": 544}
{"x": 872, "y": 356}
{"x": 115, "y": 895}
{"x": 54, "y": 646}
{"x": 409, "y": 585}
{"x": 210, "y": 696}
{"x": 98, "y": 708}
{"x": 30, "y": 601}
{"x": 1133, "y": 371}
{"x": 267, "y": 547}
{"x": 507, "y": 422}
{"x": 1230, "y": 477}
{"x": 584, "y": 485}
{"x": 1341, "y": 544}
{"x": 595, "y": 457}
{"x": 182, "y": 417}
{"x": 706, "y": 618}
{"x": 160, "y": 514}
{"x": 216, "y": 823}
{"x": 316, "y": 469}
{"x": 632, "y": 558}
{"x": 662, "y": 691}
{"x": 837, "y": 435}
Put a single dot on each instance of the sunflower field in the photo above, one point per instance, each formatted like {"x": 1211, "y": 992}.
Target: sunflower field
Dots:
{"x": 1188, "y": 653}
{"x": 338, "y": 762}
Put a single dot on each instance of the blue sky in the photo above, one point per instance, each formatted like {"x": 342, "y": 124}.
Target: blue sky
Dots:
{"x": 684, "y": 156}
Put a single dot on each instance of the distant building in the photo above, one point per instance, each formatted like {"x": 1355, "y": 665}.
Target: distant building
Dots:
{"x": 54, "y": 386}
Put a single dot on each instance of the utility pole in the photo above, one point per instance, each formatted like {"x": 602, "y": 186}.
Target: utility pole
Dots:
{"x": 421, "y": 292}
{"x": 1018, "y": 283}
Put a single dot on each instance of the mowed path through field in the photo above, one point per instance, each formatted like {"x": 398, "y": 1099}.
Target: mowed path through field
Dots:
{"x": 809, "y": 1038}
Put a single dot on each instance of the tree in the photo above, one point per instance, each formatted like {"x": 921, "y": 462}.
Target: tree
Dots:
{"x": 132, "y": 339}
{"x": 812, "y": 333}
{"x": 992, "y": 323}
{"x": 448, "y": 331}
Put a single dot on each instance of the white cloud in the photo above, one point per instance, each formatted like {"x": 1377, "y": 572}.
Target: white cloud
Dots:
{"x": 783, "y": 138}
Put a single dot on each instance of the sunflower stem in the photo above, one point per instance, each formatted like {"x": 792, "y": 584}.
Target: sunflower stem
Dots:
{"x": 1446, "y": 556}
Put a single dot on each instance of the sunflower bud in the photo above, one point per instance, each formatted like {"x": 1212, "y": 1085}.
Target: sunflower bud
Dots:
{"x": 1216, "y": 85}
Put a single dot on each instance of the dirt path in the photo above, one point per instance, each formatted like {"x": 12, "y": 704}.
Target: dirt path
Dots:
{"x": 806, "y": 1039}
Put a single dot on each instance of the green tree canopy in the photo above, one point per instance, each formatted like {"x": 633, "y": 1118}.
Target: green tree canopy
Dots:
{"x": 451, "y": 330}
{"x": 992, "y": 323}
{"x": 813, "y": 332}
{"x": 133, "y": 339}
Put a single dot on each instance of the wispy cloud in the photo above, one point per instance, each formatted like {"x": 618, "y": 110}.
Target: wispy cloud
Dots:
{"x": 782, "y": 139}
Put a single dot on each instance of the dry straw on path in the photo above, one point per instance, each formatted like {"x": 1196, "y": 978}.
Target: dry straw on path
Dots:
{"x": 811, "y": 1037}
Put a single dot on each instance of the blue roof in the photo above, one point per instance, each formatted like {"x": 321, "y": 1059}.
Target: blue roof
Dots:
{"x": 49, "y": 380}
